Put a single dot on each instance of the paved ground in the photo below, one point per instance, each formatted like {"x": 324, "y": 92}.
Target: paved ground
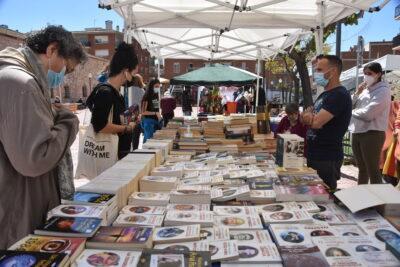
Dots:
{"x": 349, "y": 172}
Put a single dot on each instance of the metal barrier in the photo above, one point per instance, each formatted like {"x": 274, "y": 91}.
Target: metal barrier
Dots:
{"x": 347, "y": 150}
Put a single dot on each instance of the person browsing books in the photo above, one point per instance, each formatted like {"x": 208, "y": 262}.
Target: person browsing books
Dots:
{"x": 328, "y": 121}
{"x": 35, "y": 136}
{"x": 369, "y": 121}
{"x": 106, "y": 98}
{"x": 291, "y": 122}
{"x": 151, "y": 116}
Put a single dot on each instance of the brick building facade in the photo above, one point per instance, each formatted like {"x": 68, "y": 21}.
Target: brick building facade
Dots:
{"x": 10, "y": 38}
{"x": 101, "y": 42}
{"x": 80, "y": 83}
{"x": 174, "y": 67}
{"x": 372, "y": 51}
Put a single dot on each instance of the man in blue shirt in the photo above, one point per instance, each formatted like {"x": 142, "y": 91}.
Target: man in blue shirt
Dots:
{"x": 328, "y": 121}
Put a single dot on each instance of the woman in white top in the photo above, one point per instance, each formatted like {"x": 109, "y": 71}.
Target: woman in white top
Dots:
{"x": 371, "y": 104}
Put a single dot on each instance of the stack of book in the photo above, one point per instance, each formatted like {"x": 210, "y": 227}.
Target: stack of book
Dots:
{"x": 213, "y": 129}
{"x": 105, "y": 205}
{"x": 149, "y": 198}
{"x": 190, "y": 195}
{"x": 238, "y": 128}
{"x": 166, "y": 134}
{"x": 290, "y": 151}
{"x": 158, "y": 183}
{"x": 196, "y": 144}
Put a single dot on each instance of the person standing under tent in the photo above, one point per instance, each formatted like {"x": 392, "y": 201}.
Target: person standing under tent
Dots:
{"x": 136, "y": 95}
{"x": 168, "y": 105}
{"x": 328, "y": 121}
{"x": 106, "y": 98}
{"x": 371, "y": 106}
{"x": 186, "y": 102}
{"x": 35, "y": 137}
{"x": 151, "y": 116}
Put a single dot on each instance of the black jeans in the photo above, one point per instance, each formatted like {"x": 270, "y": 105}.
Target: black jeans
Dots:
{"x": 328, "y": 170}
{"x": 136, "y": 136}
{"x": 167, "y": 117}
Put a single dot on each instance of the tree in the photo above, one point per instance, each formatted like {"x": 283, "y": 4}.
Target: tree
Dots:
{"x": 284, "y": 64}
{"x": 303, "y": 49}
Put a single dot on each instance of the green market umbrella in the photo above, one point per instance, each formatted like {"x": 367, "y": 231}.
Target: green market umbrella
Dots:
{"x": 216, "y": 74}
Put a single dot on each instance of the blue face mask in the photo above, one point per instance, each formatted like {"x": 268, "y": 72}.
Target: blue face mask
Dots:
{"x": 55, "y": 78}
{"x": 319, "y": 78}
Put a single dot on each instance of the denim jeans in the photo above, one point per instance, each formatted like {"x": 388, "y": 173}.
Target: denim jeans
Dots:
{"x": 149, "y": 126}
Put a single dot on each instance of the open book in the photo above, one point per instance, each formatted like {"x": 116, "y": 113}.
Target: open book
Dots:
{"x": 369, "y": 195}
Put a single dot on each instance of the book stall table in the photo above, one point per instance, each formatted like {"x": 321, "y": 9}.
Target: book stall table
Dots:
{"x": 161, "y": 204}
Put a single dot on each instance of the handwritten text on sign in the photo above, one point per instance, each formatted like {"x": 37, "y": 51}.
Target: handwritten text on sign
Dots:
{"x": 96, "y": 151}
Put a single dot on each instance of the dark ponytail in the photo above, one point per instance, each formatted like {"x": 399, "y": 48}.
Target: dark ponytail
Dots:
{"x": 150, "y": 89}
{"x": 124, "y": 58}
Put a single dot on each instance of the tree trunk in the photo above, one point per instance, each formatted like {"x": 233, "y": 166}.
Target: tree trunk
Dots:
{"x": 293, "y": 75}
{"x": 300, "y": 59}
{"x": 290, "y": 94}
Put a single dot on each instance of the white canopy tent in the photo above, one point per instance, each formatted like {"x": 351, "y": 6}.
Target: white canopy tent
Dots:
{"x": 228, "y": 29}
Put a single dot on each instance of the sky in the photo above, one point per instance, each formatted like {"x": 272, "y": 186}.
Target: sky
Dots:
{"x": 74, "y": 15}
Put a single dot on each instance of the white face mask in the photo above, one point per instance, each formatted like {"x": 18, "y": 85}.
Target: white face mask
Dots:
{"x": 369, "y": 80}
{"x": 156, "y": 90}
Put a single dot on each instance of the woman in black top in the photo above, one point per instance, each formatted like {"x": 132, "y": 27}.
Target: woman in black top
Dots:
{"x": 151, "y": 109}
{"x": 123, "y": 67}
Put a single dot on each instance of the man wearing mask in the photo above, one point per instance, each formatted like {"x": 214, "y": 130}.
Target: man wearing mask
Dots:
{"x": 34, "y": 137}
{"x": 328, "y": 121}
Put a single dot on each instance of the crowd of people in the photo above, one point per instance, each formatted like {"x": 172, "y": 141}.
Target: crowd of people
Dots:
{"x": 35, "y": 140}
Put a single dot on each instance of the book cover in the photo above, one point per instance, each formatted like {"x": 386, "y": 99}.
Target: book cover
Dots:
{"x": 32, "y": 259}
{"x": 216, "y": 233}
{"x": 296, "y": 216}
{"x": 224, "y": 250}
{"x": 176, "y": 234}
{"x": 93, "y": 198}
{"x": 139, "y": 220}
{"x": 74, "y": 226}
{"x": 122, "y": 235}
{"x": 378, "y": 258}
{"x": 252, "y": 252}
{"x": 259, "y": 236}
{"x": 48, "y": 244}
{"x": 235, "y": 210}
{"x": 185, "y": 246}
{"x": 303, "y": 256}
{"x": 348, "y": 230}
{"x": 291, "y": 235}
{"x": 336, "y": 251}
{"x": 115, "y": 258}
{"x": 133, "y": 209}
{"x": 153, "y": 258}
{"x": 188, "y": 207}
{"x": 239, "y": 222}
{"x": 204, "y": 218}
{"x": 78, "y": 211}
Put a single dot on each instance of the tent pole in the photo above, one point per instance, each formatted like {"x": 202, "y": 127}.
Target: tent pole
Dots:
{"x": 319, "y": 32}
{"x": 258, "y": 74}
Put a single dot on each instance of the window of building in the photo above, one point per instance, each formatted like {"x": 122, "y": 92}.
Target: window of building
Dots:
{"x": 177, "y": 67}
{"x": 101, "y": 53}
{"x": 101, "y": 39}
{"x": 244, "y": 65}
{"x": 190, "y": 67}
{"x": 84, "y": 91}
{"x": 67, "y": 92}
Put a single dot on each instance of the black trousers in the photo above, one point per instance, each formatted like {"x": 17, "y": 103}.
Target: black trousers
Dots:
{"x": 136, "y": 136}
{"x": 167, "y": 117}
{"x": 328, "y": 170}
